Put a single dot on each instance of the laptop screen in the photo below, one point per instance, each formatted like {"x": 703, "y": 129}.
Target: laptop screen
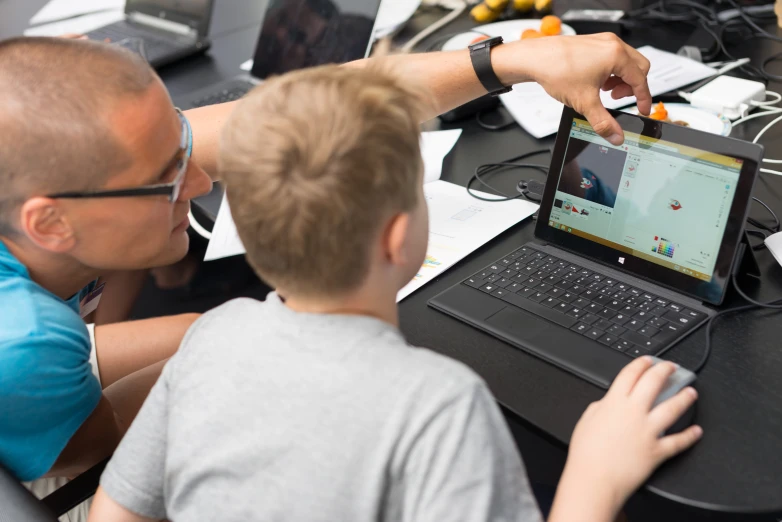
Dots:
{"x": 669, "y": 204}
{"x": 304, "y": 33}
{"x": 657, "y": 200}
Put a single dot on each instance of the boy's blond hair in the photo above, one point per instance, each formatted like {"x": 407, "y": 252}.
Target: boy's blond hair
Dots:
{"x": 315, "y": 161}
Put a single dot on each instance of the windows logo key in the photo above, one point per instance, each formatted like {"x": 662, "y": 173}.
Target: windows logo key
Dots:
{"x": 663, "y": 247}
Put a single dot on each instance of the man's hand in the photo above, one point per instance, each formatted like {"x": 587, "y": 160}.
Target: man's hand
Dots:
{"x": 573, "y": 69}
{"x": 617, "y": 444}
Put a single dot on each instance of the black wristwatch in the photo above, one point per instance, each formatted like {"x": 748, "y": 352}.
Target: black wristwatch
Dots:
{"x": 480, "y": 55}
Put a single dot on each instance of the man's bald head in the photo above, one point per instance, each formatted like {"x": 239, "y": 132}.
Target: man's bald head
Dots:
{"x": 57, "y": 99}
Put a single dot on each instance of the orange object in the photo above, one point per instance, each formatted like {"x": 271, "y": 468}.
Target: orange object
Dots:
{"x": 531, "y": 33}
{"x": 551, "y": 25}
{"x": 479, "y": 39}
{"x": 659, "y": 113}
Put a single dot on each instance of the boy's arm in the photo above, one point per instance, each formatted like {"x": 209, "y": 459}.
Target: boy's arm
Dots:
{"x": 616, "y": 445}
{"x": 572, "y": 69}
{"x": 104, "y": 509}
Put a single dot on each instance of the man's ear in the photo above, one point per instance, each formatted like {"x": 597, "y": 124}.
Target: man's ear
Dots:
{"x": 395, "y": 239}
{"x": 45, "y": 223}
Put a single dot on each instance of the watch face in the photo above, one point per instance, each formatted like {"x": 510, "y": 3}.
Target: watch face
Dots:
{"x": 490, "y": 42}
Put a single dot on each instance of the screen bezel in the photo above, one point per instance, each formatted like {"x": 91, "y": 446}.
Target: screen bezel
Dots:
{"x": 259, "y": 73}
{"x": 200, "y": 23}
{"x": 711, "y": 292}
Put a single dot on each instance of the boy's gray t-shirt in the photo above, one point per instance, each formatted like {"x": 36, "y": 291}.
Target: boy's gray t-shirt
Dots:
{"x": 269, "y": 414}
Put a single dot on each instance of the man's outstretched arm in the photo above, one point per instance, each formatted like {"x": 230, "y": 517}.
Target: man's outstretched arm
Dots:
{"x": 572, "y": 69}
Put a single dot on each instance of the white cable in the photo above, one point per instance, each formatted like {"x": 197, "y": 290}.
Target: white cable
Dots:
{"x": 764, "y": 112}
{"x": 766, "y": 128}
{"x": 204, "y": 233}
{"x": 767, "y": 171}
{"x": 447, "y": 19}
{"x": 768, "y": 102}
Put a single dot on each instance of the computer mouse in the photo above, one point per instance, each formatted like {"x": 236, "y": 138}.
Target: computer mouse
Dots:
{"x": 680, "y": 379}
{"x": 774, "y": 245}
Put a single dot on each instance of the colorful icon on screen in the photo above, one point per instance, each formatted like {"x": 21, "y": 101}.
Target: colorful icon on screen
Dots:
{"x": 664, "y": 247}
{"x": 586, "y": 183}
{"x": 675, "y": 204}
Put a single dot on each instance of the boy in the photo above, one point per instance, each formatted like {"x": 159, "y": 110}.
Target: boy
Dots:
{"x": 311, "y": 406}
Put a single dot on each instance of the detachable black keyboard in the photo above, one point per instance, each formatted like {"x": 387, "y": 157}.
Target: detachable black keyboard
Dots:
{"x": 608, "y": 310}
{"x": 228, "y": 94}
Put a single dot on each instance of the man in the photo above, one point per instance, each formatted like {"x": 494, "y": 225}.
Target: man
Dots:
{"x": 97, "y": 176}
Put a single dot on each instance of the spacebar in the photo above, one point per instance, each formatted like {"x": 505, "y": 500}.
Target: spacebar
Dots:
{"x": 538, "y": 309}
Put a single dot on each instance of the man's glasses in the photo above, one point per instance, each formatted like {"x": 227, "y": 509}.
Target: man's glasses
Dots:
{"x": 171, "y": 189}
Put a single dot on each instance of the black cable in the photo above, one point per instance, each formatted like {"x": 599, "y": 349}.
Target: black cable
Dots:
{"x": 493, "y": 168}
{"x": 773, "y": 305}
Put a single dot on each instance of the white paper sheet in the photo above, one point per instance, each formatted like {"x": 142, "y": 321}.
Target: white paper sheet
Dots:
{"x": 460, "y": 224}
{"x": 80, "y": 25}
{"x": 59, "y": 9}
{"x": 539, "y": 114}
{"x": 225, "y": 240}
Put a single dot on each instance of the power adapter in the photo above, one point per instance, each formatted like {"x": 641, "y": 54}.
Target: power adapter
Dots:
{"x": 730, "y": 96}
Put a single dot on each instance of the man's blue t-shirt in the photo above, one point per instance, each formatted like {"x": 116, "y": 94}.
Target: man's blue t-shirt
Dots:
{"x": 47, "y": 388}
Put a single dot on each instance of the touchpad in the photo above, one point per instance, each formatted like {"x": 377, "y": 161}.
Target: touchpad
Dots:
{"x": 520, "y": 324}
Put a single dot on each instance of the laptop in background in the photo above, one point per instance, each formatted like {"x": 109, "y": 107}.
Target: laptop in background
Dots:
{"x": 170, "y": 29}
{"x": 296, "y": 34}
{"x": 632, "y": 243}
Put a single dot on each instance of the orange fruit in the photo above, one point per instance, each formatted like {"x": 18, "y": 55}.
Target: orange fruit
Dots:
{"x": 550, "y": 25}
{"x": 479, "y": 39}
{"x": 531, "y": 33}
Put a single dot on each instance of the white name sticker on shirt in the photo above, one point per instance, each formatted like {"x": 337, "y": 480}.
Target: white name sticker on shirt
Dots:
{"x": 90, "y": 302}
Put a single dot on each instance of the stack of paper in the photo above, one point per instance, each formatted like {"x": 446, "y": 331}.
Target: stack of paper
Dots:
{"x": 539, "y": 114}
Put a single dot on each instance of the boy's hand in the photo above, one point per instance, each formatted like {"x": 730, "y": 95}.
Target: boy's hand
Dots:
{"x": 616, "y": 445}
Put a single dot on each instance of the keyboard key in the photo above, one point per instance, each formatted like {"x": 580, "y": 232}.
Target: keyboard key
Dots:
{"x": 634, "y": 324}
{"x": 563, "y": 308}
{"x": 488, "y": 288}
{"x": 585, "y": 273}
{"x": 580, "y": 302}
{"x": 594, "y": 333}
{"x": 576, "y": 312}
{"x": 634, "y": 291}
{"x": 474, "y": 282}
{"x": 571, "y": 277}
{"x": 675, "y": 307}
{"x": 603, "y": 324}
{"x": 555, "y": 292}
{"x": 493, "y": 277}
{"x": 678, "y": 318}
{"x": 661, "y": 302}
{"x": 543, "y": 287}
{"x": 577, "y": 289}
{"x": 623, "y": 345}
{"x": 568, "y": 297}
{"x": 615, "y": 305}
{"x": 506, "y": 261}
{"x": 525, "y": 272}
{"x": 648, "y": 331}
{"x": 621, "y": 296}
{"x": 659, "y": 311}
{"x": 607, "y": 291}
{"x": 621, "y": 318}
{"x": 649, "y": 297}
{"x": 547, "y": 268}
{"x": 602, "y": 300}
{"x": 514, "y": 287}
{"x": 597, "y": 277}
{"x": 573, "y": 268}
{"x": 564, "y": 283}
{"x": 581, "y": 328}
{"x": 693, "y": 314}
{"x": 589, "y": 318}
{"x": 644, "y": 316}
{"x": 623, "y": 286}
{"x": 551, "y": 302}
{"x": 595, "y": 286}
{"x": 657, "y": 322}
{"x": 499, "y": 292}
{"x": 669, "y": 332}
{"x": 526, "y": 292}
{"x": 508, "y": 273}
{"x": 609, "y": 282}
{"x": 538, "y": 297}
{"x": 640, "y": 340}
{"x": 634, "y": 300}
{"x": 532, "y": 282}
{"x": 628, "y": 310}
{"x": 616, "y": 329}
{"x": 593, "y": 308}
{"x": 638, "y": 351}
{"x": 589, "y": 294}
{"x": 608, "y": 339}
{"x": 647, "y": 306}
{"x": 484, "y": 274}
{"x": 606, "y": 313}
{"x": 552, "y": 280}
{"x": 496, "y": 268}
{"x": 502, "y": 282}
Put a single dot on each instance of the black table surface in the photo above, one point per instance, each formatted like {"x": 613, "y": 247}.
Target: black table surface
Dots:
{"x": 737, "y": 467}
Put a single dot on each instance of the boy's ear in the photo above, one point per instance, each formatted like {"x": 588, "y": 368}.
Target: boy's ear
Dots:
{"x": 44, "y": 223}
{"x": 395, "y": 239}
